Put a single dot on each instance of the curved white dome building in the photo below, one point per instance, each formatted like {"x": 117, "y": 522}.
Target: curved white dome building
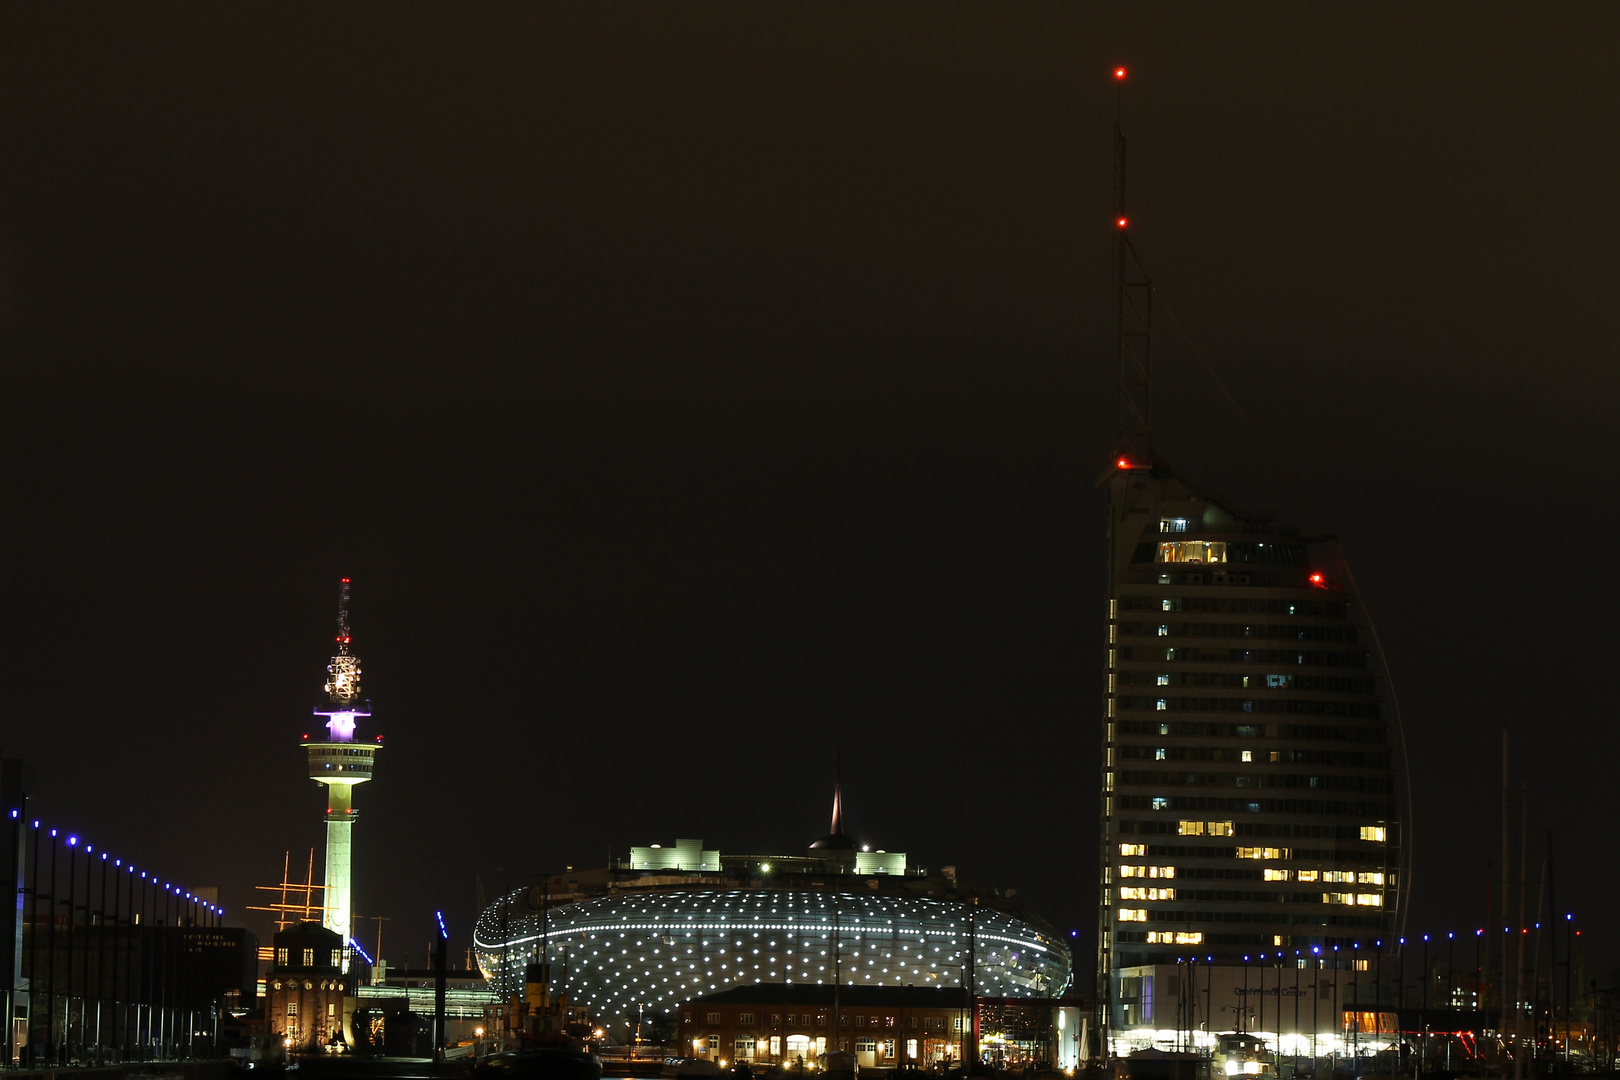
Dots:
{"x": 671, "y": 924}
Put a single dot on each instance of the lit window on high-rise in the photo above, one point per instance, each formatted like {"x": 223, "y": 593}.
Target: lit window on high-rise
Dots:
{"x": 1192, "y": 551}
{"x": 1266, "y": 853}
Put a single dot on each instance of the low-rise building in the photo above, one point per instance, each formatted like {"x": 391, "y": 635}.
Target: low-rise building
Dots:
{"x": 305, "y": 988}
{"x": 776, "y": 1023}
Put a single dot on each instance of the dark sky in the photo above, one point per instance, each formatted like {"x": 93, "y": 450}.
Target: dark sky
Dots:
{"x": 687, "y": 386}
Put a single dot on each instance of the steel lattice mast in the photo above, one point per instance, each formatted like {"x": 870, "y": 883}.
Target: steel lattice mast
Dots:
{"x": 339, "y": 763}
{"x": 1134, "y": 296}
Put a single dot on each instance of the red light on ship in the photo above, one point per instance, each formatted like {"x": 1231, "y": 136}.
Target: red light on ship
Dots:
{"x": 345, "y": 581}
{"x": 1121, "y": 223}
{"x": 1319, "y": 581}
{"x": 1119, "y": 73}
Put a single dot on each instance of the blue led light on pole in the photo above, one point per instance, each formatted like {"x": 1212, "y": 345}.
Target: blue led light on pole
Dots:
{"x": 440, "y": 961}
{"x": 51, "y": 1047}
{"x": 1423, "y": 1013}
{"x": 33, "y": 948}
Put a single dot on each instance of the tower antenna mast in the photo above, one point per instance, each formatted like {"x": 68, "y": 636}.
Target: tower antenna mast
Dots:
{"x": 343, "y": 634}
{"x": 1134, "y": 291}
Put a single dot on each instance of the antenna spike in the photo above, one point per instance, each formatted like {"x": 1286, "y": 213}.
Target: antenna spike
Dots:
{"x": 343, "y": 633}
{"x": 838, "y": 793}
{"x": 1134, "y": 289}
{"x": 343, "y": 682}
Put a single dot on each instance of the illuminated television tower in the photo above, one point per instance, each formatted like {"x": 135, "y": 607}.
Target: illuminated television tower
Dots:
{"x": 340, "y": 763}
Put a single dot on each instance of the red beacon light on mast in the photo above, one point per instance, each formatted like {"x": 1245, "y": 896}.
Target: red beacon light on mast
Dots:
{"x": 1119, "y": 73}
{"x": 1318, "y": 581}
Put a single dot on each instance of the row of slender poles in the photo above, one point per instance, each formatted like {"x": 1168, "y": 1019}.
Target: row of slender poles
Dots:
{"x": 1333, "y": 960}
{"x": 129, "y": 966}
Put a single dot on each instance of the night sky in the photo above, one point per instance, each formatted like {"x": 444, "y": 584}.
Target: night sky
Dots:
{"x": 688, "y": 388}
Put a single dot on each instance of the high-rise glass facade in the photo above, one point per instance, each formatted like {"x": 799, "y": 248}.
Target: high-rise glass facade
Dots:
{"x": 1254, "y": 787}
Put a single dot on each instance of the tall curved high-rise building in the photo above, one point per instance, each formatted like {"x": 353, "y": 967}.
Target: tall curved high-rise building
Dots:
{"x": 1254, "y": 788}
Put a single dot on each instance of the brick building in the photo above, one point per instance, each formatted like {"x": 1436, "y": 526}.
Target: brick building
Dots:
{"x": 774, "y": 1023}
{"x": 305, "y": 988}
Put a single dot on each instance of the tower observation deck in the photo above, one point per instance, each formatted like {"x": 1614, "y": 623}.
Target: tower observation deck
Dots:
{"x": 339, "y": 763}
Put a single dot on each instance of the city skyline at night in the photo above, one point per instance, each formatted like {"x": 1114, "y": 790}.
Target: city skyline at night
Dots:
{"x": 692, "y": 393}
